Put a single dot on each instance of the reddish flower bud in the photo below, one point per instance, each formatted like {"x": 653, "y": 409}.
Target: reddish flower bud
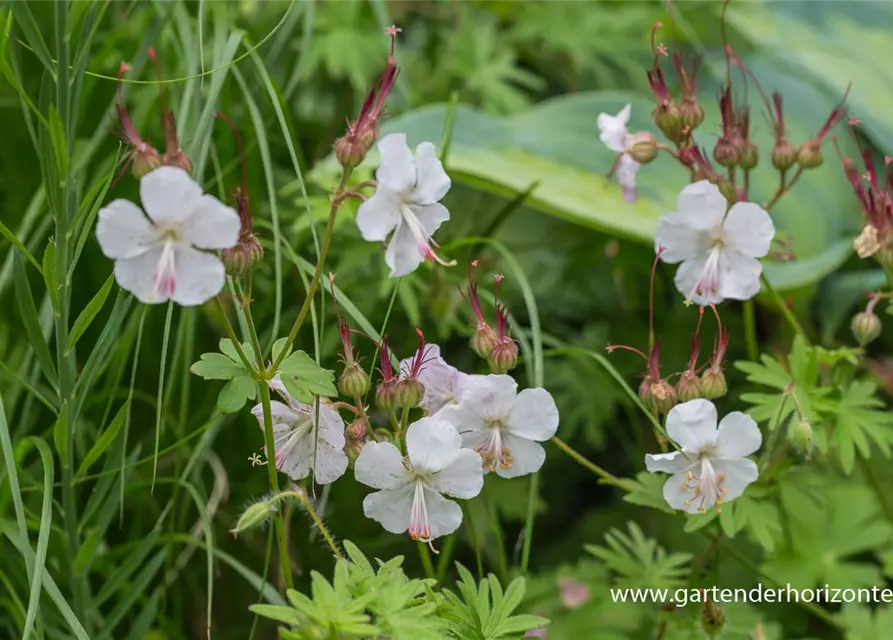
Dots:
{"x": 726, "y": 152}
{"x": 810, "y": 154}
{"x": 140, "y": 154}
{"x": 386, "y": 395}
{"x": 484, "y": 338}
{"x": 174, "y": 156}
{"x": 243, "y": 258}
{"x": 504, "y": 355}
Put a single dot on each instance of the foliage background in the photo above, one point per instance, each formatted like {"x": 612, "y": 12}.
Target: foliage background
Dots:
{"x": 529, "y": 79}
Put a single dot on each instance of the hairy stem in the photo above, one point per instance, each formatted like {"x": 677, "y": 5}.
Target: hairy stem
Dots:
{"x": 301, "y": 497}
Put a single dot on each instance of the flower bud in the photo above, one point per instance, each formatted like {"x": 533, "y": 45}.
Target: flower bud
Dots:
{"x": 726, "y": 152}
{"x": 645, "y": 393}
{"x": 642, "y": 147}
{"x": 803, "y": 434}
{"x": 727, "y": 189}
{"x": 483, "y": 340}
{"x": 356, "y": 432}
{"x": 691, "y": 113}
{"x": 254, "y": 516}
{"x": 353, "y": 381}
{"x": 713, "y": 384}
{"x": 810, "y": 155}
{"x": 750, "y": 155}
{"x": 784, "y": 154}
{"x": 669, "y": 120}
{"x": 713, "y": 618}
{"x": 145, "y": 160}
{"x": 244, "y": 257}
{"x": 663, "y": 397}
{"x": 386, "y": 395}
{"x": 351, "y": 150}
{"x": 178, "y": 159}
{"x": 688, "y": 387}
{"x": 866, "y": 327}
{"x": 409, "y": 393}
{"x": 504, "y": 356}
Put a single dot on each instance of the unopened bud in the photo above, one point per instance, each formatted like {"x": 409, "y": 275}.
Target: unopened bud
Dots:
{"x": 688, "y": 387}
{"x": 254, "y": 516}
{"x": 784, "y": 155}
{"x": 866, "y": 327}
{"x": 145, "y": 161}
{"x": 356, "y": 432}
{"x": 642, "y": 147}
{"x": 669, "y": 120}
{"x": 750, "y": 155}
{"x": 803, "y": 434}
{"x": 483, "y": 340}
{"x": 350, "y": 151}
{"x": 409, "y": 393}
{"x": 727, "y": 189}
{"x": 713, "y": 384}
{"x": 504, "y": 356}
{"x": 810, "y": 155}
{"x": 663, "y": 397}
{"x": 244, "y": 257}
{"x": 352, "y": 450}
{"x": 386, "y": 395}
{"x": 691, "y": 113}
{"x": 713, "y": 618}
{"x": 353, "y": 381}
{"x": 726, "y": 152}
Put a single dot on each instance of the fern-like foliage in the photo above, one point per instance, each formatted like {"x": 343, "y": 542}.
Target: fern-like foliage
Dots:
{"x": 640, "y": 562}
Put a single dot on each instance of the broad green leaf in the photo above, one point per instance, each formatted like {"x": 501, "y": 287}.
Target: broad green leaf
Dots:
{"x": 278, "y": 346}
{"x": 228, "y": 348}
{"x": 216, "y": 366}
{"x": 104, "y": 441}
{"x": 236, "y": 393}
{"x": 89, "y": 313}
{"x": 648, "y": 492}
{"x": 303, "y": 378}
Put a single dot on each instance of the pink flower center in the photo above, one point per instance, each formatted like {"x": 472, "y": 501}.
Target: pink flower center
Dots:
{"x": 708, "y": 282}
{"x": 422, "y": 239}
{"x": 492, "y": 451}
{"x": 707, "y": 486}
{"x": 165, "y": 274}
{"x": 419, "y": 526}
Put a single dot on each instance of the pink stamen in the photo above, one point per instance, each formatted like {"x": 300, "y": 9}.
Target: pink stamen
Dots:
{"x": 419, "y": 526}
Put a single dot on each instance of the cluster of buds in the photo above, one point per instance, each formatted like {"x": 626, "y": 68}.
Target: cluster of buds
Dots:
{"x": 140, "y": 154}
{"x": 866, "y": 325}
{"x": 495, "y": 345}
{"x": 403, "y": 391}
{"x": 352, "y": 147}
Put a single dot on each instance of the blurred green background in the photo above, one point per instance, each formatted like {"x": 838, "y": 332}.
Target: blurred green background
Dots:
{"x": 530, "y": 200}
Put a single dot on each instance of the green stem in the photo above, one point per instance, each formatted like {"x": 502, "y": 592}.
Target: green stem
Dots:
{"x": 500, "y": 544}
{"x": 785, "y": 311}
{"x": 425, "y": 557}
{"x": 532, "y": 498}
{"x": 446, "y": 554}
{"x": 278, "y": 520}
{"x": 301, "y": 497}
{"x": 252, "y": 330}
{"x": 475, "y": 540}
{"x": 750, "y": 330}
{"x": 317, "y": 273}
{"x": 606, "y": 477}
{"x": 231, "y": 334}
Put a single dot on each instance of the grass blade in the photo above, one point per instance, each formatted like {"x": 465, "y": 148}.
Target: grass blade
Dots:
{"x": 104, "y": 441}
{"x": 86, "y": 317}
{"x": 159, "y": 409}
{"x": 43, "y": 536}
{"x": 32, "y": 323}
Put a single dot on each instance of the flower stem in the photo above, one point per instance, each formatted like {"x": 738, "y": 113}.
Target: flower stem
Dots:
{"x": 785, "y": 311}
{"x": 272, "y": 471}
{"x": 301, "y": 497}
{"x": 425, "y": 557}
{"x": 750, "y": 331}
{"x": 606, "y": 477}
{"x": 249, "y": 319}
{"x": 231, "y": 333}
{"x": 317, "y": 274}
{"x": 783, "y": 188}
{"x": 446, "y": 555}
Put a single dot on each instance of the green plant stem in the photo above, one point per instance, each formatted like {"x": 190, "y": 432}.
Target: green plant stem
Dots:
{"x": 446, "y": 554}
{"x": 425, "y": 557}
{"x": 785, "y": 311}
{"x": 532, "y": 498}
{"x": 252, "y": 330}
{"x": 301, "y": 497}
{"x": 475, "y": 541}
{"x": 605, "y": 476}
{"x": 231, "y": 334}
{"x": 278, "y": 520}
{"x": 317, "y": 273}
{"x": 750, "y": 330}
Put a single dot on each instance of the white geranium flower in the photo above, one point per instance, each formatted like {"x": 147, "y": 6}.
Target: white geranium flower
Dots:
{"x": 712, "y": 468}
{"x": 614, "y": 134}
{"x": 297, "y": 448}
{"x": 412, "y": 487}
{"x": 504, "y": 426}
{"x": 157, "y": 258}
{"x": 407, "y": 202}
{"x": 444, "y": 384}
{"x": 718, "y": 249}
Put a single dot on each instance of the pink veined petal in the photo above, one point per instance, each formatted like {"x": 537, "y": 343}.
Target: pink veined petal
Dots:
{"x": 378, "y": 215}
{"x": 212, "y": 225}
{"x": 748, "y": 229}
{"x": 693, "y": 279}
{"x": 430, "y": 217}
{"x": 397, "y": 170}
{"x": 433, "y": 182}
{"x": 124, "y": 231}
{"x": 444, "y": 516}
{"x": 169, "y": 195}
{"x": 199, "y": 276}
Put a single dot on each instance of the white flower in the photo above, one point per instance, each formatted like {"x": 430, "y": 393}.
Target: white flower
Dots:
{"x": 297, "y": 448}
{"x": 406, "y": 201}
{"x": 444, "y": 384}
{"x": 712, "y": 468}
{"x": 157, "y": 258}
{"x": 614, "y": 134}
{"x": 504, "y": 426}
{"x": 718, "y": 250}
{"x": 411, "y": 487}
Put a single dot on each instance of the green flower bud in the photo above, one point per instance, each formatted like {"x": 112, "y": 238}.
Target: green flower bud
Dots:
{"x": 483, "y": 340}
{"x": 784, "y": 154}
{"x": 713, "y": 618}
{"x": 642, "y": 147}
{"x": 750, "y": 155}
{"x": 726, "y": 152}
{"x": 691, "y": 113}
{"x": 866, "y": 327}
{"x": 504, "y": 356}
{"x": 810, "y": 155}
{"x": 668, "y": 119}
{"x": 409, "y": 393}
{"x": 244, "y": 257}
{"x": 254, "y": 516}
{"x": 803, "y": 435}
{"x": 145, "y": 160}
{"x": 713, "y": 384}
{"x": 386, "y": 395}
{"x": 688, "y": 387}
{"x": 663, "y": 397}
{"x": 353, "y": 381}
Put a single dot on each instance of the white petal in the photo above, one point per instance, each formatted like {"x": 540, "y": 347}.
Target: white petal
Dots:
{"x": 390, "y": 507}
{"x": 463, "y": 477}
{"x": 137, "y": 275}
{"x": 533, "y": 415}
{"x": 169, "y": 195}
{"x": 738, "y": 436}
{"x": 748, "y": 229}
{"x": 397, "y": 170}
{"x": 612, "y": 129}
{"x": 739, "y": 275}
{"x": 404, "y": 254}
{"x": 672, "y": 462}
{"x": 281, "y": 414}
{"x": 298, "y": 460}
{"x": 443, "y": 383}
{"x": 492, "y": 397}
{"x": 626, "y": 177}
{"x": 433, "y": 182}
{"x": 692, "y": 425}
{"x": 677, "y": 491}
{"x": 679, "y": 239}
{"x": 331, "y": 461}
{"x": 430, "y": 216}
{"x": 378, "y": 215}
{"x": 689, "y": 274}
{"x": 703, "y": 205}
{"x": 212, "y": 225}
{"x": 470, "y": 425}
{"x": 431, "y": 444}
{"x": 199, "y": 276}
{"x": 527, "y": 456}
{"x": 277, "y": 386}
{"x": 124, "y": 231}
{"x": 380, "y": 465}
{"x": 444, "y": 516}
{"x": 739, "y": 473}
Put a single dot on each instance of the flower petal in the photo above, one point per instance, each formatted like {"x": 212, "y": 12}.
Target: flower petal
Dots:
{"x": 689, "y": 274}
{"x": 169, "y": 195}
{"x": 124, "y": 231}
{"x": 677, "y": 491}
{"x": 137, "y": 275}
{"x": 612, "y": 129}
{"x": 297, "y": 461}
{"x": 627, "y": 169}
{"x": 430, "y": 216}
{"x": 703, "y": 205}
{"x": 281, "y": 414}
{"x": 672, "y": 462}
{"x": 463, "y": 477}
{"x": 212, "y": 225}
{"x": 748, "y": 229}
{"x": 738, "y": 436}
{"x": 527, "y": 456}
{"x": 198, "y": 276}
{"x": 431, "y": 444}
{"x": 397, "y": 170}
{"x": 444, "y": 516}
{"x": 433, "y": 182}
{"x": 331, "y": 461}
{"x": 378, "y": 215}
{"x": 471, "y": 426}
{"x": 533, "y": 415}
{"x": 739, "y": 472}
{"x": 380, "y": 466}
{"x": 739, "y": 275}
{"x": 389, "y": 507}
{"x": 444, "y": 384}
{"x": 404, "y": 254}
{"x": 678, "y": 240}
{"x": 491, "y": 397}
{"x": 692, "y": 425}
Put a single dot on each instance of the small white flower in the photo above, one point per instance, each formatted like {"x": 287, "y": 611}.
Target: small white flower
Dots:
{"x": 407, "y": 202}
{"x": 712, "y": 468}
{"x": 718, "y": 250}
{"x": 411, "y": 487}
{"x": 504, "y": 426}
{"x": 444, "y": 384}
{"x": 297, "y": 448}
{"x": 157, "y": 258}
{"x": 614, "y": 134}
